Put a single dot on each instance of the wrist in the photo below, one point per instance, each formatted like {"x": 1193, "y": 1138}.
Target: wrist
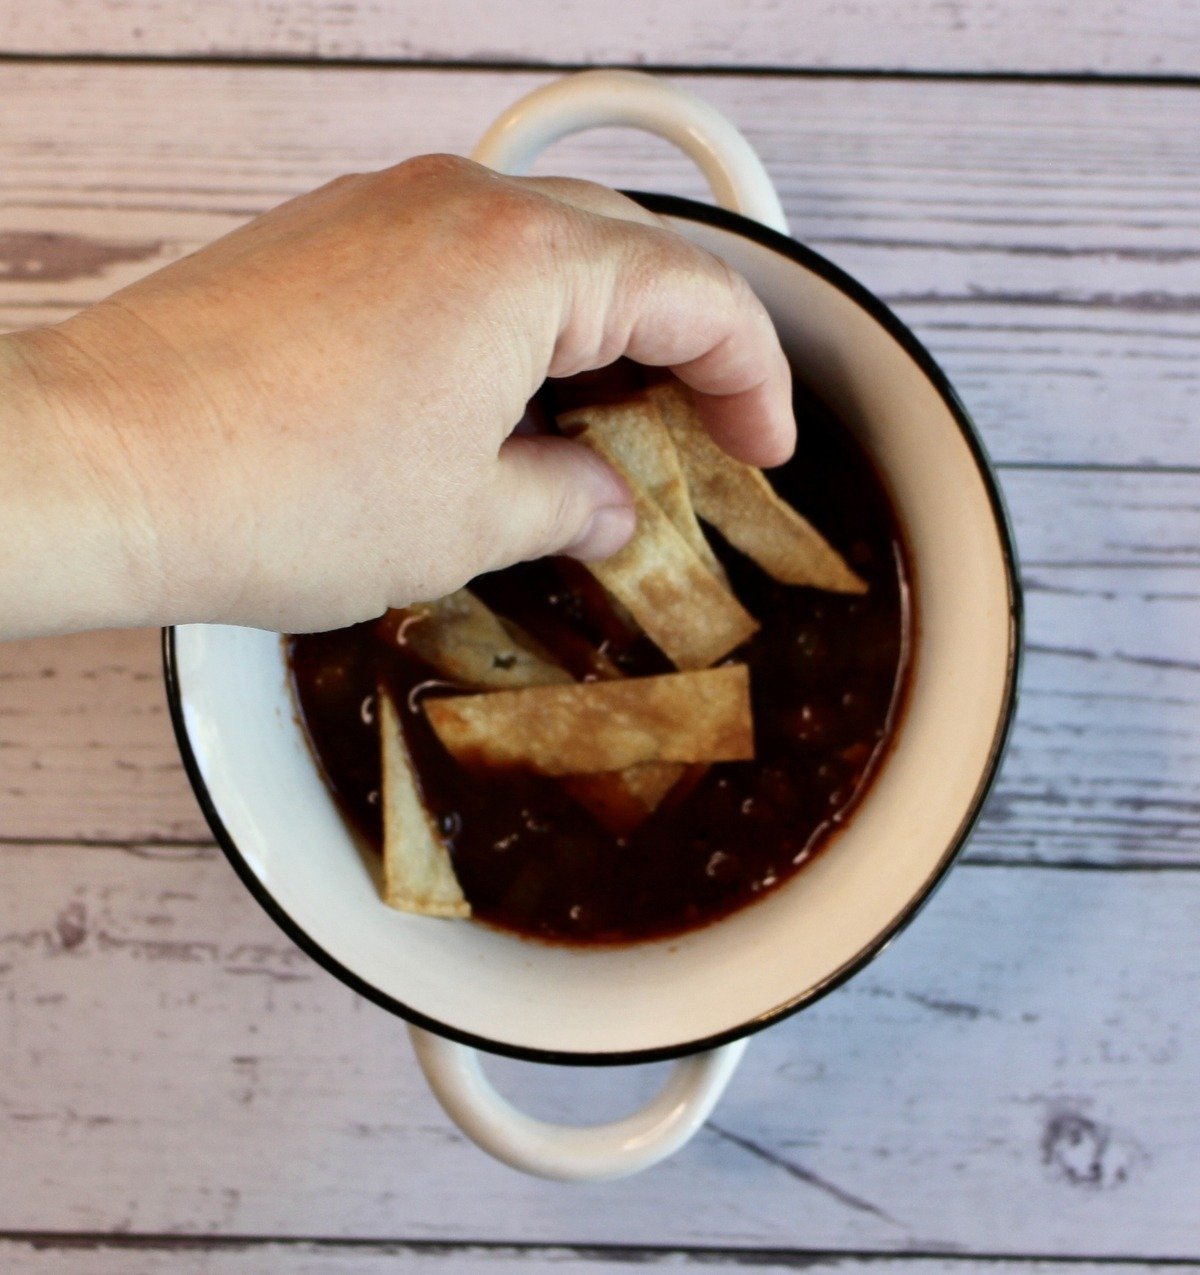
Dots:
{"x": 77, "y": 546}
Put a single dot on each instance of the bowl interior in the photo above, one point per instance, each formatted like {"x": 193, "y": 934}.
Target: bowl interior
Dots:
{"x": 257, "y": 779}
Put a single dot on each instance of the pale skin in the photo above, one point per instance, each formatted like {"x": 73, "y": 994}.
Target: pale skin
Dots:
{"x": 310, "y": 420}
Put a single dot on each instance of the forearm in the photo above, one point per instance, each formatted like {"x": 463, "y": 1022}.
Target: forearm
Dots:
{"x": 75, "y": 550}
{"x": 309, "y": 420}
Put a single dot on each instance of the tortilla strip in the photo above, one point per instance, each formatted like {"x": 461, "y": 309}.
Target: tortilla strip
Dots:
{"x": 620, "y": 800}
{"x": 417, "y": 873}
{"x": 600, "y": 726}
{"x": 466, "y": 641}
{"x": 635, "y": 431}
{"x": 739, "y": 501}
{"x": 677, "y": 602}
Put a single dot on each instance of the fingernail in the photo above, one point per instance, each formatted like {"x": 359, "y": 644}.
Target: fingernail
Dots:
{"x": 608, "y": 530}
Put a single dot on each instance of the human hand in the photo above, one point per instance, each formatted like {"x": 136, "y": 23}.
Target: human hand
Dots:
{"x": 310, "y": 419}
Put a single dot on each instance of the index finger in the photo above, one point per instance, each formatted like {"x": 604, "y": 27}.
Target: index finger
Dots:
{"x": 670, "y": 303}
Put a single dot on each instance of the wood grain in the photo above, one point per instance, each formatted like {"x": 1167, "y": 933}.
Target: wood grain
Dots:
{"x": 1032, "y": 1046}
{"x": 970, "y": 35}
{"x": 1041, "y": 238}
{"x": 1102, "y": 766}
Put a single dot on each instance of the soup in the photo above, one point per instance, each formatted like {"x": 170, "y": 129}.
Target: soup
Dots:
{"x": 827, "y": 672}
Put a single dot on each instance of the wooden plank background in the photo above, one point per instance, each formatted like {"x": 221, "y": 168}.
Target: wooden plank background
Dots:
{"x": 1048, "y": 36}
{"x": 1043, "y": 239}
{"x": 1017, "y": 1081}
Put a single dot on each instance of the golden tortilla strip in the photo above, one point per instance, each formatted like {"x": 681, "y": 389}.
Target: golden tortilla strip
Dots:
{"x": 466, "y": 641}
{"x": 417, "y": 873}
{"x": 590, "y": 727}
{"x": 743, "y": 506}
{"x": 635, "y": 431}
{"x": 677, "y": 602}
{"x": 620, "y": 800}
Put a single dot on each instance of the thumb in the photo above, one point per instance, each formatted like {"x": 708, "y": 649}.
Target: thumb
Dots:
{"x": 554, "y": 496}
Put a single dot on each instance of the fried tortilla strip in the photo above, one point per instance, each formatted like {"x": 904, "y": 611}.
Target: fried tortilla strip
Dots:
{"x": 635, "y": 431}
{"x": 677, "y": 602}
{"x": 417, "y": 873}
{"x": 590, "y": 727}
{"x": 466, "y": 641}
{"x": 620, "y": 800}
{"x": 739, "y": 501}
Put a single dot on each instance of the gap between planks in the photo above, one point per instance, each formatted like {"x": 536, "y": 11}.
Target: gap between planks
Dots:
{"x": 701, "y": 69}
{"x": 708, "y": 1256}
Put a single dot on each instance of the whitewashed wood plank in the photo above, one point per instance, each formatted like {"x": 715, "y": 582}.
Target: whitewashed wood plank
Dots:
{"x": 1041, "y": 238}
{"x": 85, "y": 741}
{"x": 117, "y": 1256}
{"x": 1117, "y": 520}
{"x": 972, "y": 35}
{"x": 1104, "y": 764}
{"x": 1017, "y": 1074}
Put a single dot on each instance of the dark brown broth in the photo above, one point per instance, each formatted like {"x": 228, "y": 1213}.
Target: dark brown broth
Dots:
{"x": 827, "y": 674}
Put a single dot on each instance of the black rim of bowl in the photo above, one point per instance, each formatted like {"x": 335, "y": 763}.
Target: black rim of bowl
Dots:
{"x": 690, "y": 210}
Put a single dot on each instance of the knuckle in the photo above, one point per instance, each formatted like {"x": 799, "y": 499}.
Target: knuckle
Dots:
{"x": 481, "y": 532}
{"x": 740, "y": 291}
{"x": 424, "y": 170}
{"x": 588, "y": 194}
{"x": 516, "y": 221}
{"x": 653, "y": 263}
{"x": 602, "y": 200}
{"x": 548, "y": 515}
{"x": 562, "y": 518}
{"x": 343, "y": 180}
{"x": 567, "y": 186}
{"x": 498, "y": 215}
{"x": 556, "y": 525}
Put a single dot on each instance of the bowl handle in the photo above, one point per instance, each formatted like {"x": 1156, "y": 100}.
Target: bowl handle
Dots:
{"x": 632, "y": 99}
{"x": 591, "y": 1153}
{"x": 574, "y": 1153}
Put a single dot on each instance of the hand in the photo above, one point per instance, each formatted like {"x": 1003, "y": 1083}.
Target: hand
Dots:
{"x": 310, "y": 419}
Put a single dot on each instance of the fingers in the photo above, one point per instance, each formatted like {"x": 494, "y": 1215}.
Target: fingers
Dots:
{"x": 641, "y": 290}
{"x": 609, "y": 278}
{"x": 685, "y": 309}
{"x": 550, "y": 495}
{"x": 756, "y": 424}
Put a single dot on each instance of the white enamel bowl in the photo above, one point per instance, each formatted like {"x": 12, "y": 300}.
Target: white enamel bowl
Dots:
{"x": 470, "y": 984}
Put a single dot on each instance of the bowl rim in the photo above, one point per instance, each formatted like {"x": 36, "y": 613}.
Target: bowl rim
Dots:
{"x": 722, "y": 219}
